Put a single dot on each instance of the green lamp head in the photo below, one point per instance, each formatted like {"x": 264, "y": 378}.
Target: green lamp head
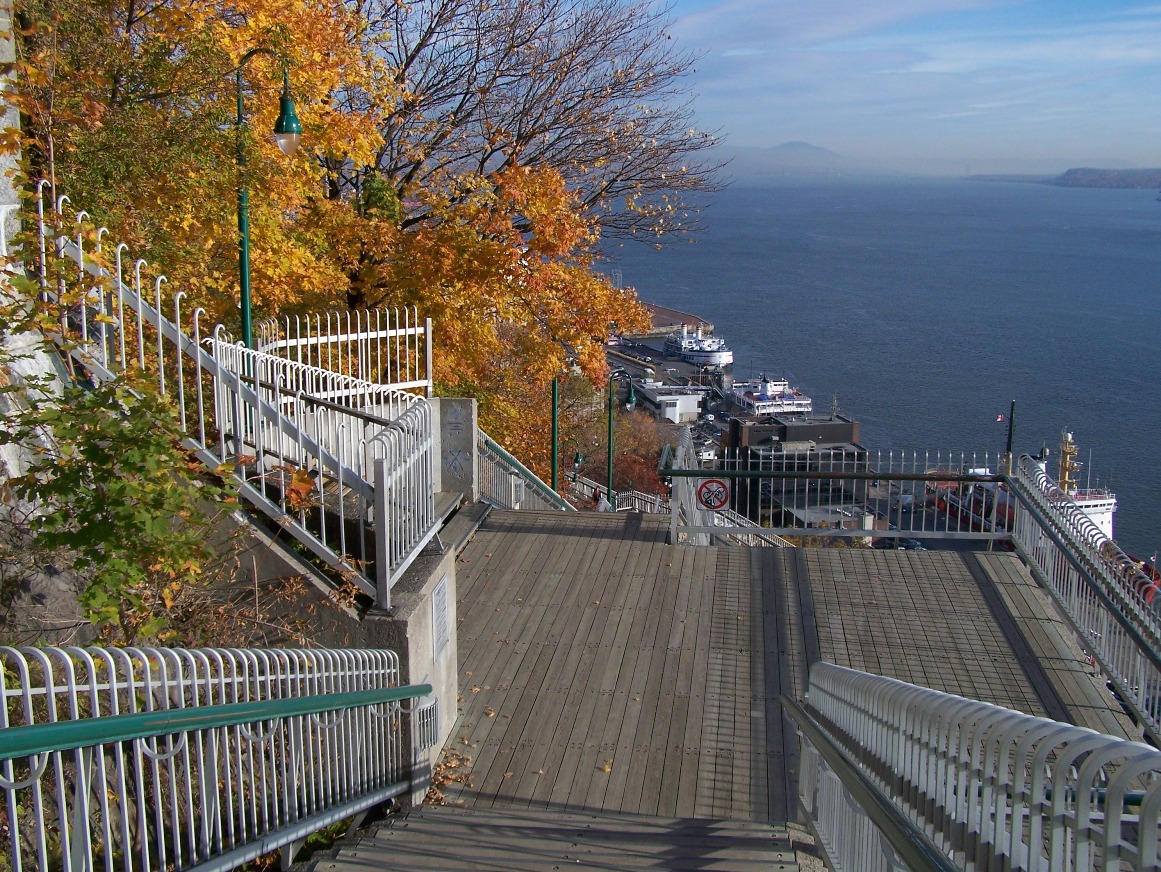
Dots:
{"x": 287, "y": 129}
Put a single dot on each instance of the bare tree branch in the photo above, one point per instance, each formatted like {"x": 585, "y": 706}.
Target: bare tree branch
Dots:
{"x": 593, "y": 88}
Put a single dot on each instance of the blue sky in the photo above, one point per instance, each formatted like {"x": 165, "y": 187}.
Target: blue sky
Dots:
{"x": 954, "y": 85}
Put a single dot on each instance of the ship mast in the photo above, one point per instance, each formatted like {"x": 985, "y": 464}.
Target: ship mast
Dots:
{"x": 1068, "y": 464}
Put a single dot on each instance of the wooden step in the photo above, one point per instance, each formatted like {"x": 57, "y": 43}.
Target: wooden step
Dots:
{"x": 538, "y": 838}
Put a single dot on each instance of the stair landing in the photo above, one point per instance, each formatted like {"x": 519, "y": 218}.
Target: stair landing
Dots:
{"x": 513, "y": 840}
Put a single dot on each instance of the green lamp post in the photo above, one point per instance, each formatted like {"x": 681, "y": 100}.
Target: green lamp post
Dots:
{"x": 630, "y": 402}
{"x": 288, "y": 134}
{"x": 555, "y": 433}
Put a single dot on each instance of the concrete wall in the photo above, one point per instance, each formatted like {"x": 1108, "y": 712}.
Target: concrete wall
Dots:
{"x": 455, "y": 421}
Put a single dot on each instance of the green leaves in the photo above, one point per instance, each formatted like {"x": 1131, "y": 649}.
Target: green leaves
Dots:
{"x": 116, "y": 496}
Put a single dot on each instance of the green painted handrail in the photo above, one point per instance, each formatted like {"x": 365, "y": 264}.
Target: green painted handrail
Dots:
{"x": 66, "y": 735}
{"x": 531, "y": 477}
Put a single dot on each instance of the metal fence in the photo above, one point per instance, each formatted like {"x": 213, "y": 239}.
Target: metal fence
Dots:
{"x": 842, "y": 493}
{"x": 992, "y": 787}
{"x": 690, "y": 521}
{"x": 1110, "y": 600}
{"x": 159, "y": 758}
{"x": 507, "y": 483}
{"x": 311, "y": 447}
{"x": 385, "y": 346}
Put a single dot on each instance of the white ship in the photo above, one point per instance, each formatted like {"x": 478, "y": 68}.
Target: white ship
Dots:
{"x": 771, "y": 397}
{"x": 698, "y": 348}
{"x": 1098, "y": 503}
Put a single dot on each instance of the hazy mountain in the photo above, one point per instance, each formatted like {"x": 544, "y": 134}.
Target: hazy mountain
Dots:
{"x": 749, "y": 163}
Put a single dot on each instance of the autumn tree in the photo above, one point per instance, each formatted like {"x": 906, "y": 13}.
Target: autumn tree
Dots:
{"x": 514, "y": 307}
{"x": 462, "y": 157}
{"x": 638, "y": 442}
{"x": 128, "y": 109}
{"x": 593, "y": 88}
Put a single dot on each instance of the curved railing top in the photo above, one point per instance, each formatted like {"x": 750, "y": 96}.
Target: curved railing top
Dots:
{"x": 996, "y": 785}
{"x": 1132, "y": 582}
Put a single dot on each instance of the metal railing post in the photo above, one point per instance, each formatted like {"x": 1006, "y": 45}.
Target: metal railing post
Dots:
{"x": 382, "y": 537}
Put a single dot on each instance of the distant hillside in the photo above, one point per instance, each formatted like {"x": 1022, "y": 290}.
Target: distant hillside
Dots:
{"x": 1086, "y": 177}
{"x": 788, "y": 159}
{"x": 1090, "y": 178}
{"x": 803, "y": 154}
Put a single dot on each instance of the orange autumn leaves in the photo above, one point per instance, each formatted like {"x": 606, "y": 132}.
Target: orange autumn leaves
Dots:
{"x": 130, "y": 110}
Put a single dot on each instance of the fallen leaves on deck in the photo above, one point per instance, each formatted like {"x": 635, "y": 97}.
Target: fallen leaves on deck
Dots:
{"x": 452, "y": 768}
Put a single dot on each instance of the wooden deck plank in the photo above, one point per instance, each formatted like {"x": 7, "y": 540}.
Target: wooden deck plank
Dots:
{"x": 574, "y": 724}
{"x": 528, "y": 681}
{"x": 496, "y": 569}
{"x": 608, "y": 760}
{"x": 433, "y": 838}
{"x": 667, "y": 785}
{"x": 568, "y": 678}
{"x": 649, "y": 743}
{"x": 688, "y": 796}
{"x": 609, "y": 793}
{"x": 592, "y": 641}
{"x": 492, "y": 713}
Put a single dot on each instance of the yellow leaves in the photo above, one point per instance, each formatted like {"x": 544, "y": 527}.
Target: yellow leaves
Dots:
{"x": 300, "y": 491}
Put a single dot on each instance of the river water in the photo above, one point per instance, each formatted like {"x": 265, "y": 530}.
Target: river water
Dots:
{"x": 924, "y": 307}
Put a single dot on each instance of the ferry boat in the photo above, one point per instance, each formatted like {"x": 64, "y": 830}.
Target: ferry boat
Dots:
{"x": 698, "y": 348}
{"x": 771, "y": 397}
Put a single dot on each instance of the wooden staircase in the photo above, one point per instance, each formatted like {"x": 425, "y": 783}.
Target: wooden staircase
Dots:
{"x": 514, "y": 839}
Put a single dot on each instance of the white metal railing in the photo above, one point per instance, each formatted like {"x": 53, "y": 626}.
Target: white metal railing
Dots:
{"x": 639, "y": 501}
{"x": 311, "y": 447}
{"x": 1110, "y": 601}
{"x": 506, "y": 483}
{"x": 157, "y": 758}
{"x": 384, "y": 346}
{"x": 689, "y": 522}
{"x": 848, "y": 493}
{"x": 586, "y": 488}
{"x": 992, "y": 787}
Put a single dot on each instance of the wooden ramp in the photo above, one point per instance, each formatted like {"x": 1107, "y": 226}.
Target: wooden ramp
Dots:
{"x": 607, "y": 676}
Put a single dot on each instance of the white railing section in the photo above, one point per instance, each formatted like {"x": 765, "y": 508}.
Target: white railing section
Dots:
{"x": 994, "y": 788}
{"x": 156, "y": 758}
{"x": 639, "y": 501}
{"x": 1110, "y": 601}
{"x": 384, "y": 346}
{"x": 689, "y": 522}
{"x": 851, "y": 493}
{"x": 506, "y": 483}
{"x": 623, "y": 500}
{"x": 363, "y": 460}
{"x": 366, "y": 448}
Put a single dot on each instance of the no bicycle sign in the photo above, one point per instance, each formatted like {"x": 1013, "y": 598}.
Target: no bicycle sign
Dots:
{"x": 713, "y": 494}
